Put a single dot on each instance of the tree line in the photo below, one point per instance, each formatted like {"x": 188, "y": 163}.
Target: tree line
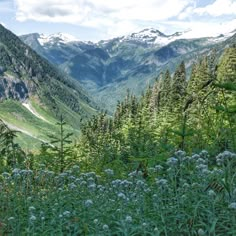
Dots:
{"x": 175, "y": 113}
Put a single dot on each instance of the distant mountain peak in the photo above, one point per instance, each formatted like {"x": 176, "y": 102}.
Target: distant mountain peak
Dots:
{"x": 153, "y": 36}
{"x": 152, "y": 31}
{"x": 56, "y": 38}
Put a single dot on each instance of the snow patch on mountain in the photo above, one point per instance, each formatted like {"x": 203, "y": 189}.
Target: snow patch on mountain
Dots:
{"x": 149, "y": 36}
{"x": 155, "y": 37}
{"x": 56, "y": 39}
{"x": 29, "y": 107}
{"x": 222, "y": 37}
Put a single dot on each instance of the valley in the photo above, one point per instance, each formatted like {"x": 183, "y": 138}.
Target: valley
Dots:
{"x": 33, "y": 93}
{"x": 110, "y": 68}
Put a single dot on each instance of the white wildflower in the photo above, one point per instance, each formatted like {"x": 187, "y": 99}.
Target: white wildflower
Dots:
{"x": 201, "y": 161}
{"x": 109, "y": 172}
{"x": 63, "y": 175}
{"x": 32, "y": 218}
{"x": 161, "y": 182}
{"x": 88, "y": 203}
{"x": 222, "y": 158}
{"x": 158, "y": 168}
{"x": 195, "y": 157}
{"x": 75, "y": 168}
{"x": 201, "y": 167}
{"x": 232, "y": 205}
{"x": 66, "y": 213}
{"x": 122, "y": 196}
{"x": 184, "y": 198}
{"x": 172, "y": 161}
{"x": 16, "y": 171}
{"x": 91, "y": 180}
{"x": 83, "y": 183}
{"x": 31, "y": 208}
{"x": 5, "y": 174}
{"x": 105, "y": 227}
{"x": 204, "y": 154}
{"x": 201, "y": 232}
{"x": 128, "y": 219}
{"x": 92, "y": 187}
{"x": 185, "y": 185}
{"x": 132, "y": 174}
{"x": 211, "y": 193}
{"x": 180, "y": 154}
{"x": 72, "y": 186}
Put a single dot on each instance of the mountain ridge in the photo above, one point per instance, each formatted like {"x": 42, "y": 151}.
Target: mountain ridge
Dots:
{"x": 27, "y": 78}
{"x": 147, "y": 35}
{"x": 110, "y": 67}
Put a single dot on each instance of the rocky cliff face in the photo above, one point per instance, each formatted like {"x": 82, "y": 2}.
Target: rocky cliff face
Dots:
{"x": 13, "y": 89}
{"x": 25, "y": 75}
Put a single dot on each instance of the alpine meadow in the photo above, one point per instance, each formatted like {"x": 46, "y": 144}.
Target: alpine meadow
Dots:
{"x": 129, "y": 136}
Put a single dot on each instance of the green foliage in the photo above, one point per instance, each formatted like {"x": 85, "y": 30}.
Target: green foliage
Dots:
{"x": 10, "y": 152}
{"x": 57, "y": 151}
{"x": 184, "y": 195}
{"x": 25, "y": 75}
{"x": 173, "y": 114}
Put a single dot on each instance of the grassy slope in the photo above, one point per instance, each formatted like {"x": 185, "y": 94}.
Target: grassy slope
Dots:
{"x": 34, "y": 130}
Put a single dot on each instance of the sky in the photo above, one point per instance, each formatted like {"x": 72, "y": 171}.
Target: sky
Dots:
{"x": 94, "y": 20}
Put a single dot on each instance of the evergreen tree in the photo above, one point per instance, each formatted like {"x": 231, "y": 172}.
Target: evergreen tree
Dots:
{"x": 165, "y": 90}
{"x": 59, "y": 145}
{"x": 226, "y": 86}
{"x": 9, "y": 149}
{"x": 178, "y": 88}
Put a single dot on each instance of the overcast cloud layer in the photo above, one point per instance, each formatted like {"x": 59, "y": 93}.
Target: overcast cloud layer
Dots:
{"x": 117, "y": 17}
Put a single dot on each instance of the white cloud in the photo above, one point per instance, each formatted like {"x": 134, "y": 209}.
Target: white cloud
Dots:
{"x": 218, "y": 8}
{"x": 203, "y": 29}
{"x": 113, "y": 18}
{"x": 64, "y": 11}
{"x": 186, "y": 13}
{"x": 114, "y": 15}
{"x": 76, "y": 11}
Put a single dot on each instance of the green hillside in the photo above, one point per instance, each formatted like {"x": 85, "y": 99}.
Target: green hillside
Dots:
{"x": 26, "y": 78}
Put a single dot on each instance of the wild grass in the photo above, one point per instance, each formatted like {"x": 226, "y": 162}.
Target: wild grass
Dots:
{"x": 186, "y": 195}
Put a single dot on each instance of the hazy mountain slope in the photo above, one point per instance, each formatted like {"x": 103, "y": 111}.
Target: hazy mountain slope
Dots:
{"x": 131, "y": 62}
{"x": 57, "y": 48}
{"x": 27, "y": 78}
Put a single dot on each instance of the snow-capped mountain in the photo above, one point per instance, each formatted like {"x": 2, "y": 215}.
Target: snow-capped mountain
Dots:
{"x": 148, "y": 36}
{"x": 154, "y": 37}
{"x": 109, "y": 67}
{"x": 56, "y": 38}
